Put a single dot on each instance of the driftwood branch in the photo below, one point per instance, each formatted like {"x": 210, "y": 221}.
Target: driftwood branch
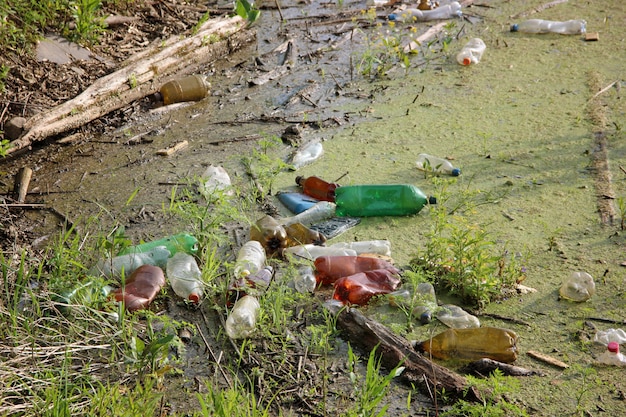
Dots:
{"x": 138, "y": 77}
{"x": 393, "y": 350}
{"x": 484, "y": 367}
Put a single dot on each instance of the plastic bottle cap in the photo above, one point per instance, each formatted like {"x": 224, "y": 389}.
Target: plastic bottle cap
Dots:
{"x": 613, "y": 347}
{"x": 466, "y": 61}
{"x": 456, "y": 172}
{"x": 432, "y": 200}
{"x": 194, "y": 298}
{"x": 298, "y": 179}
{"x": 514, "y": 27}
{"x": 393, "y": 17}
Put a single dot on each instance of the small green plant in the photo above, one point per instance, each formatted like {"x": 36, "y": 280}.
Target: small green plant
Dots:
{"x": 263, "y": 166}
{"x": 247, "y": 10}
{"x": 371, "y": 392}
{"x": 89, "y": 24}
{"x": 493, "y": 404}
{"x": 621, "y": 206}
{"x": 132, "y": 80}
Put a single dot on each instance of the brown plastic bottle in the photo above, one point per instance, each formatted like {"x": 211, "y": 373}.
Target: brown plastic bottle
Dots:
{"x": 271, "y": 234}
{"x": 191, "y": 88}
{"x": 317, "y": 188}
{"x": 359, "y": 288}
{"x": 299, "y": 234}
{"x": 141, "y": 287}
{"x": 329, "y": 269}
{"x": 474, "y": 343}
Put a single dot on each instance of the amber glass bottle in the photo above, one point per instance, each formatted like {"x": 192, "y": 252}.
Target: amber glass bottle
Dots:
{"x": 141, "y": 287}
{"x": 317, "y": 188}
{"x": 359, "y": 288}
{"x": 329, "y": 269}
{"x": 473, "y": 343}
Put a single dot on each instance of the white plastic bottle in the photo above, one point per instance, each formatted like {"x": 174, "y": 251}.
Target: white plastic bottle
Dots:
{"x": 378, "y": 247}
{"x": 612, "y": 356}
{"x": 610, "y": 335}
{"x": 307, "y": 154}
{"x": 215, "y": 180}
{"x": 472, "y": 52}
{"x": 437, "y": 165}
{"x": 113, "y": 267}
{"x": 241, "y": 322}
{"x": 185, "y": 277}
{"x": 446, "y": 11}
{"x": 313, "y": 252}
{"x": 250, "y": 259}
{"x": 569, "y": 27}
{"x": 320, "y": 211}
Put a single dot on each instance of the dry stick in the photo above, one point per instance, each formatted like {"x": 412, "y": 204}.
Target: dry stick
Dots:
{"x": 22, "y": 180}
{"x": 604, "y": 90}
{"x": 547, "y": 359}
{"x": 538, "y": 8}
{"x": 208, "y": 346}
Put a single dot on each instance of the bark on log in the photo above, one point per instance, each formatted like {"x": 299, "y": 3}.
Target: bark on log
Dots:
{"x": 484, "y": 367}
{"x": 393, "y": 349}
{"x": 141, "y": 75}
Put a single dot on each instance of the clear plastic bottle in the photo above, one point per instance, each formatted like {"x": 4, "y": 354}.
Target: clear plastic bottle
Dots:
{"x": 113, "y": 267}
{"x": 475, "y": 343}
{"x": 185, "y": 277}
{"x": 569, "y": 27}
{"x": 317, "y": 188}
{"x": 254, "y": 284}
{"x": 377, "y": 247}
{"x": 446, "y": 11}
{"x": 182, "y": 242}
{"x": 472, "y": 52}
{"x": 141, "y": 288}
{"x": 359, "y": 288}
{"x": 190, "y": 88}
{"x": 612, "y": 356}
{"x": 304, "y": 281}
{"x": 457, "y": 318}
{"x": 578, "y": 287}
{"x": 329, "y": 269}
{"x": 380, "y": 200}
{"x": 241, "y": 322}
{"x": 250, "y": 259}
{"x": 320, "y": 211}
{"x": 215, "y": 181}
{"x": 271, "y": 234}
{"x": 429, "y": 163}
{"x": 307, "y": 154}
{"x": 423, "y": 299}
{"x": 610, "y": 335}
{"x": 313, "y": 252}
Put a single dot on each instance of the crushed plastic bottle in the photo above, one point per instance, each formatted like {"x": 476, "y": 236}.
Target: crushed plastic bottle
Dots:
{"x": 250, "y": 259}
{"x": 329, "y": 269}
{"x": 190, "y": 88}
{"x": 271, "y": 234}
{"x": 304, "y": 281}
{"x": 612, "y": 356}
{"x": 254, "y": 284}
{"x": 361, "y": 287}
{"x": 307, "y": 154}
{"x": 446, "y": 11}
{"x": 185, "y": 277}
{"x": 610, "y": 335}
{"x": 215, "y": 182}
{"x": 141, "y": 288}
{"x": 434, "y": 164}
{"x": 380, "y": 200}
{"x": 113, "y": 268}
{"x": 472, "y": 52}
{"x": 423, "y": 299}
{"x": 475, "y": 343}
{"x": 320, "y": 211}
{"x": 312, "y": 252}
{"x": 569, "y": 27}
{"x": 241, "y": 322}
{"x": 578, "y": 287}
{"x": 177, "y": 243}
{"x": 457, "y": 318}
{"x": 317, "y": 188}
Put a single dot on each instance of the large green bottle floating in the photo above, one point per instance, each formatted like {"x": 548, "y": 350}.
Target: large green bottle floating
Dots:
{"x": 380, "y": 200}
{"x": 182, "y": 242}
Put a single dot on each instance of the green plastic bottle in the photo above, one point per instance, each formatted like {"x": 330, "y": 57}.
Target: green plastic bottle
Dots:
{"x": 380, "y": 200}
{"x": 182, "y": 242}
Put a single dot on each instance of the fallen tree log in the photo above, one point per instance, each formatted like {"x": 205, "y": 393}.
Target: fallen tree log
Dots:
{"x": 138, "y": 77}
{"x": 393, "y": 350}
